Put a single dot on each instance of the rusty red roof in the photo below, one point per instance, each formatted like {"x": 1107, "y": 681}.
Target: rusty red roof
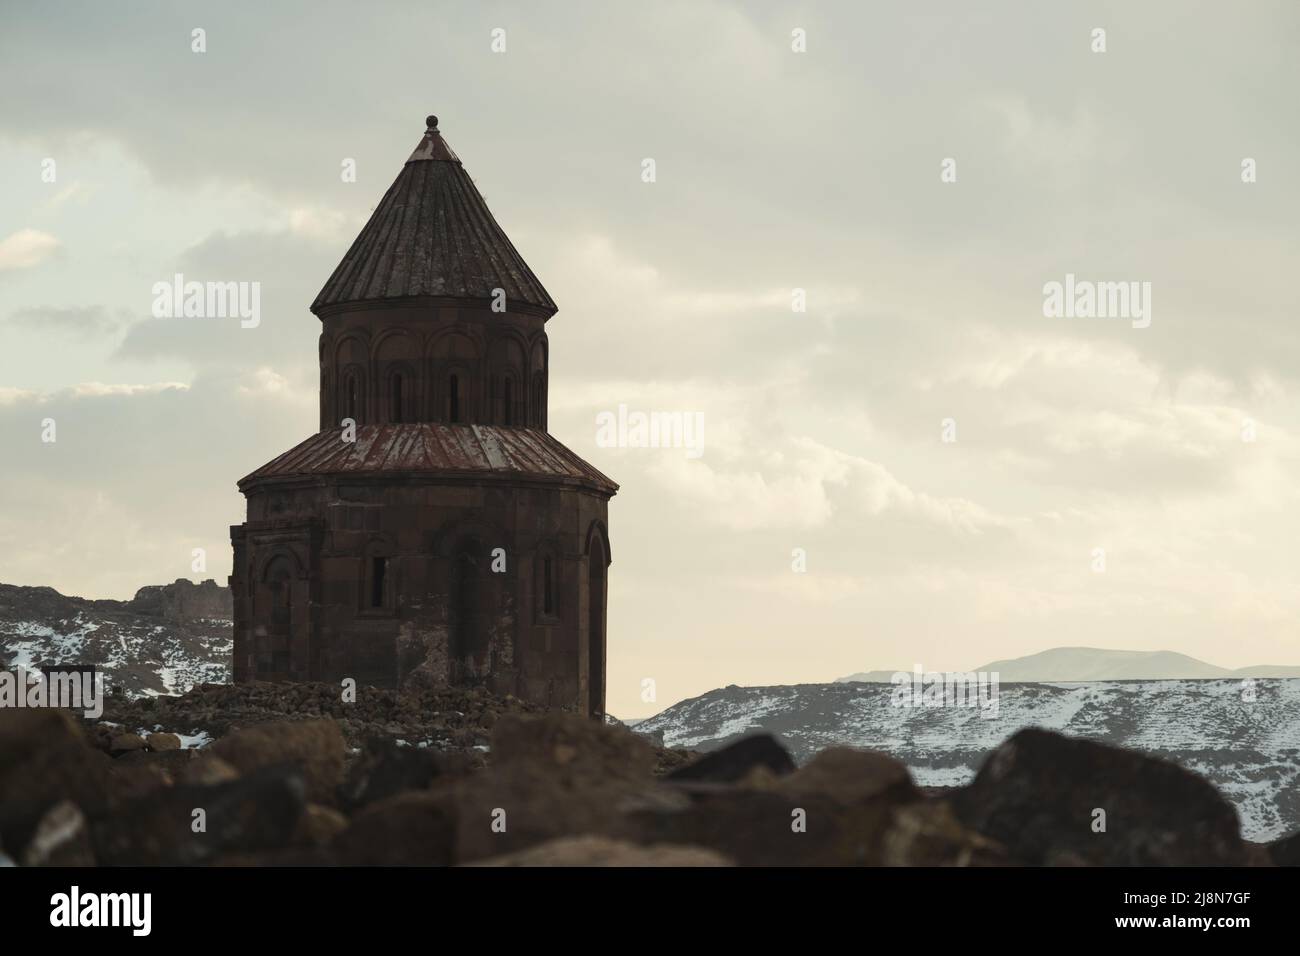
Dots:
{"x": 435, "y": 450}
{"x": 433, "y": 235}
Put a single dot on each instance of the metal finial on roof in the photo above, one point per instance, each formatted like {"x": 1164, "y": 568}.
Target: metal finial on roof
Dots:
{"x": 431, "y": 121}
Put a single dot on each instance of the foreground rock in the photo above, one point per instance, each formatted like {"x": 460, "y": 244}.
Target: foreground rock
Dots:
{"x": 1057, "y": 800}
{"x": 181, "y": 825}
{"x": 385, "y": 770}
{"x": 844, "y": 808}
{"x": 314, "y": 746}
{"x": 738, "y": 760}
{"x": 1285, "y": 852}
{"x": 291, "y": 788}
{"x": 550, "y": 776}
{"x": 44, "y": 760}
{"x": 601, "y": 851}
{"x": 62, "y": 838}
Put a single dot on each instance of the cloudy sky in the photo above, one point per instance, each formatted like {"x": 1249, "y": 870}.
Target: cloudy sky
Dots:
{"x": 776, "y": 170}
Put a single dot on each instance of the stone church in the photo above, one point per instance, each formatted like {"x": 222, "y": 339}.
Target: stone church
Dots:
{"x": 432, "y": 532}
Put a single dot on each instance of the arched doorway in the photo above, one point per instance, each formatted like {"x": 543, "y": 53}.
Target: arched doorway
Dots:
{"x": 277, "y": 596}
{"x": 469, "y": 644}
{"x": 596, "y": 580}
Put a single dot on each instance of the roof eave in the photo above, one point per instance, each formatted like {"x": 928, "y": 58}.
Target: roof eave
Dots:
{"x": 517, "y": 306}
{"x": 255, "y": 482}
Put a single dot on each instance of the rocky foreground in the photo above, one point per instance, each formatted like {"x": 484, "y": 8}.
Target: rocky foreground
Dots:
{"x": 291, "y": 775}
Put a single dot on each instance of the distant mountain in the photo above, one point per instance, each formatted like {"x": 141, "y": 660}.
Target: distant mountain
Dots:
{"x": 1250, "y": 749}
{"x": 163, "y": 641}
{"x": 1063, "y": 664}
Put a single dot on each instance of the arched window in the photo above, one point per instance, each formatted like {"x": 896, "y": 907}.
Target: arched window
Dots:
{"x": 539, "y": 405}
{"x": 395, "y": 399}
{"x": 453, "y": 398}
{"x": 350, "y": 394}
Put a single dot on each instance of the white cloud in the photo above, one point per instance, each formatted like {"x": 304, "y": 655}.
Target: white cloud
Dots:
{"x": 798, "y": 483}
{"x": 76, "y": 191}
{"x": 27, "y": 248}
{"x": 101, "y": 389}
{"x": 268, "y": 383}
{"x": 321, "y": 224}
{"x": 12, "y": 396}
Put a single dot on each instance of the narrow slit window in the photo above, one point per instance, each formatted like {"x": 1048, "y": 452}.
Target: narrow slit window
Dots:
{"x": 548, "y": 587}
{"x": 378, "y": 574}
{"x": 507, "y": 401}
{"x": 453, "y": 399}
{"x": 350, "y": 411}
{"x": 396, "y": 410}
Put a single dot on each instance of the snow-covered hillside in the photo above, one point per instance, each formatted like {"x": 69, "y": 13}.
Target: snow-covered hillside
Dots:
{"x": 163, "y": 642}
{"x": 1249, "y": 750}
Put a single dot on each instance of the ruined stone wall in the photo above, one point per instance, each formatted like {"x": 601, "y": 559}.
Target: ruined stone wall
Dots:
{"x": 183, "y": 601}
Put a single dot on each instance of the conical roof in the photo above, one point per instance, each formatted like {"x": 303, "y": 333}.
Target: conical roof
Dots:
{"x": 432, "y": 235}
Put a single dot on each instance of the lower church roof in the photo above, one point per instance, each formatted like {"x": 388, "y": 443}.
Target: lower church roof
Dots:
{"x": 435, "y": 450}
